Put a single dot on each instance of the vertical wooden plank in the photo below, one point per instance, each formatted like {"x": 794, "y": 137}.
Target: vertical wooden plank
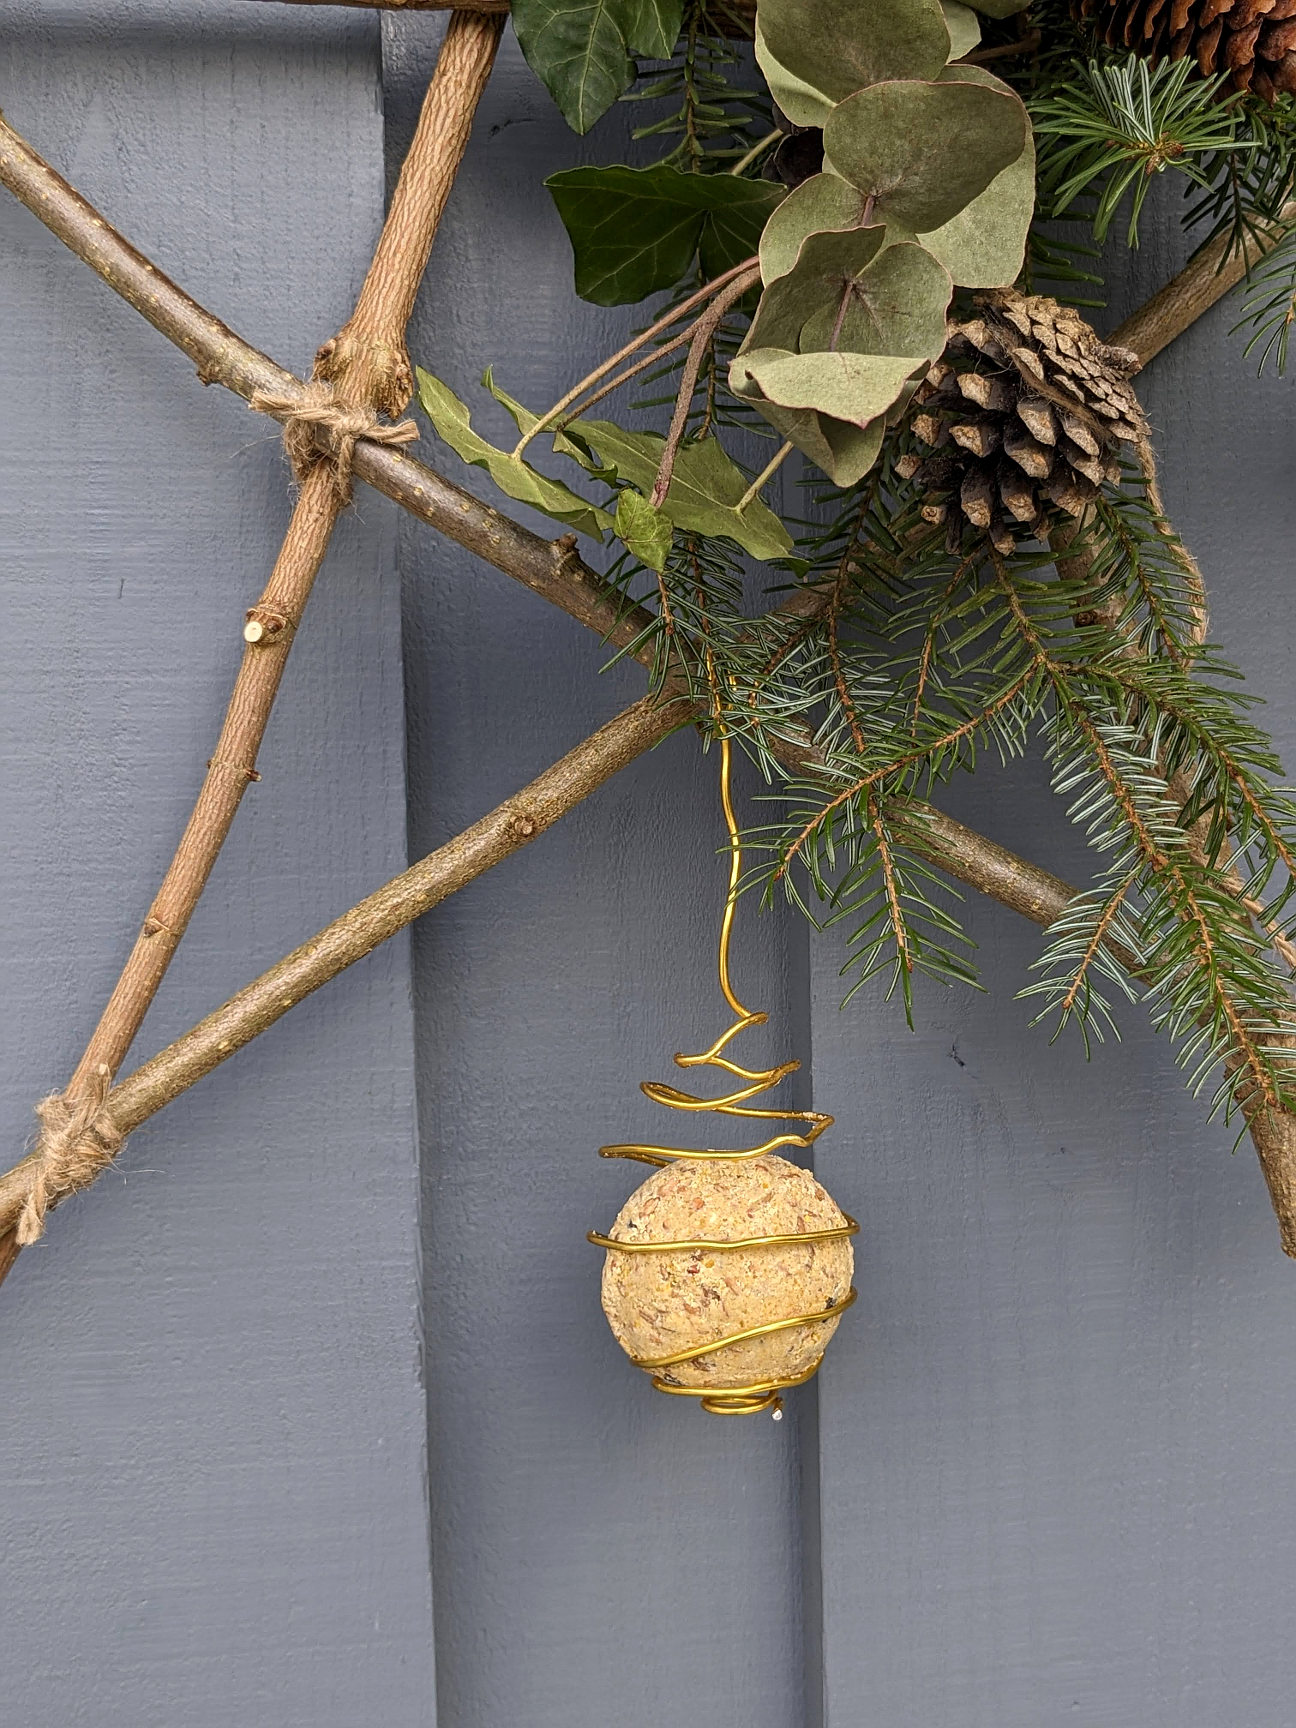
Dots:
{"x": 213, "y": 1439}
{"x": 601, "y": 1553}
{"x": 1058, "y": 1484}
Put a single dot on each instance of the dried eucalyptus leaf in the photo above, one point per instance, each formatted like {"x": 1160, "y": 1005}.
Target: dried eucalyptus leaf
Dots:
{"x": 924, "y": 150}
{"x": 705, "y": 486}
{"x": 646, "y": 532}
{"x": 856, "y": 388}
{"x": 819, "y": 204}
{"x": 837, "y": 46}
{"x": 825, "y": 264}
{"x": 896, "y": 305}
{"x": 801, "y": 102}
{"x": 985, "y": 244}
{"x": 844, "y": 452}
{"x": 964, "y": 30}
{"x": 510, "y": 473}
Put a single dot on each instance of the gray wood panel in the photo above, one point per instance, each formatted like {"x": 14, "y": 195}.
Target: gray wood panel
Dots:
{"x": 601, "y": 1553}
{"x": 1057, "y": 1469}
{"x": 212, "y": 1441}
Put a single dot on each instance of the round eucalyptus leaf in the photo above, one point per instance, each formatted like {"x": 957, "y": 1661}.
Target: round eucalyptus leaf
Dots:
{"x": 853, "y": 387}
{"x": 964, "y": 30}
{"x": 838, "y": 46}
{"x": 985, "y": 244}
{"x": 825, "y": 201}
{"x": 801, "y": 102}
{"x": 896, "y": 305}
{"x": 924, "y": 151}
{"x": 826, "y": 264}
{"x": 844, "y": 452}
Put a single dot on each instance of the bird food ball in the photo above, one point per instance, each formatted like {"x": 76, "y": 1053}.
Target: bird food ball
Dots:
{"x": 661, "y": 1303}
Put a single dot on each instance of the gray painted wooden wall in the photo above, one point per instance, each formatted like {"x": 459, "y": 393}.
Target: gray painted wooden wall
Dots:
{"x": 289, "y": 1436}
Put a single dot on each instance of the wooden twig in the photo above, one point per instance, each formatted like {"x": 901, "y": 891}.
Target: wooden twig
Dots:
{"x": 363, "y": 364}
{"x": 508, "y": 828}
{"x": 1206, "y": 278}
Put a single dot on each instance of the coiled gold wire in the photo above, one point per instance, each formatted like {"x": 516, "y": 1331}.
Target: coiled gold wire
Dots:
{"x": 764, "y": 1394}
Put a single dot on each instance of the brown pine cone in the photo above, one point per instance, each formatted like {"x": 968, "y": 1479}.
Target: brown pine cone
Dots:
{"x": 1022, "y": 415}
{"x": 1252, "y": 40}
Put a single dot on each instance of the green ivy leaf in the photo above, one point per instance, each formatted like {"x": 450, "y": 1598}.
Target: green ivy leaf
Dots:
{"x": 837, "y": 46}
{"x": 924, "y": 150}
{"x": 510, "y": 473}
{"x": 635, "y": 231}
{"x": 705, "y": 487}
{"x": 579, "y": 50}
{"x": 646, "y": 532}
{"x": 652, "y": 27}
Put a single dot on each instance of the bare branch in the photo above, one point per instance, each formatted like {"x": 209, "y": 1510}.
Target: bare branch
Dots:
{"x": 1206, "y": 278}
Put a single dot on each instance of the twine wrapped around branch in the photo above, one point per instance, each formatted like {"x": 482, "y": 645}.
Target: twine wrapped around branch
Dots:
{"x": 76, "y": 1142}
{"x": 316, "y": 409}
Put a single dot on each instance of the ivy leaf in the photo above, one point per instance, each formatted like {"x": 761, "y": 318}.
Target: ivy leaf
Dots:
{"x": 646, "y": 532}
{"x": 837, "y": 46}
{"x": 510, "y": 473}
{"x": 705, "y": 487}
{"x": 579, "y": 51}
{"x": 635, "y": 231}
{"x": 652, "y": 27}
{"x": 924, "y": 150}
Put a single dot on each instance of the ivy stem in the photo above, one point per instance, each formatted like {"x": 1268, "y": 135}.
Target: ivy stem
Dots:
{"x": 703, "y": 335}
{"x": 600, "y": 372}
{"x": 762, "y": 144}
{"x": 768, "y": 472}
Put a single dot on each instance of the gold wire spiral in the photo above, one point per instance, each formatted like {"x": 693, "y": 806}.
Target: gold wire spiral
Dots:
{"x": 763, "y": 1394}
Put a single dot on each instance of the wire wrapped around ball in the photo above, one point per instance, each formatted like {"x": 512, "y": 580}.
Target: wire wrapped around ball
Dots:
{"x": 749, "y": 1399}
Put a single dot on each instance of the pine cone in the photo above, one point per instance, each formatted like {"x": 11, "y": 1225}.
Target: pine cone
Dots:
{"x": 1023, "y": 415}
{"x": 1253, "y": 40}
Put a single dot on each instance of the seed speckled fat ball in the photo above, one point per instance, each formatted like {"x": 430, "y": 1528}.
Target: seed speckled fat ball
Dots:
{"x": 657, "y": 1304}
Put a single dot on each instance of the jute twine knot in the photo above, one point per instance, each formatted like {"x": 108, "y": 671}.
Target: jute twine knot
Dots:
{"x": 317, "y": 407}
{"x": 76, "y": 1142}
